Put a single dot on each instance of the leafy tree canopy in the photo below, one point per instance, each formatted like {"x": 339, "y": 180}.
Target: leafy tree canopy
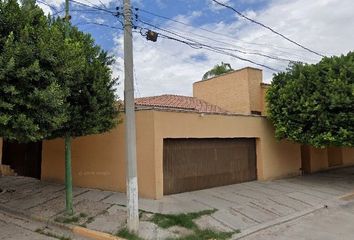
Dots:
{"x": 50, "y": 86}
{"x": 91, "y": 106}
{"x": 31, "y": 98}
{"x": 218, "y": 70}
{"x": 314, "y": 104}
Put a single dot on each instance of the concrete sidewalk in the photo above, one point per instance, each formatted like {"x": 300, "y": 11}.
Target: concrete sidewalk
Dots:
{"x": 239, "y": 206}
{"x": 14, "y": 227}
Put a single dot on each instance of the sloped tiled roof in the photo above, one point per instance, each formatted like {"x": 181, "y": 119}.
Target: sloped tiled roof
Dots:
{"x": 177, "y": 102}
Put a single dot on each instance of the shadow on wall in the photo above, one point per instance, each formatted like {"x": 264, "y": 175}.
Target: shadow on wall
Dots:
{"x": 318, "y": 159}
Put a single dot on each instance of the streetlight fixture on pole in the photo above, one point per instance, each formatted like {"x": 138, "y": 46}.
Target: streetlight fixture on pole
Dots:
{"x": 130, "y": 132}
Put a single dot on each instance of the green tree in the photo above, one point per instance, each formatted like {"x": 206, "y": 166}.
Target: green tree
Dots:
{"x": 218, "y": 70}
{"x": 314, "y": 104}
{"x": 51, "y": 86}
{"x": 91, "y": 106}
{"x": 31, "y": 98}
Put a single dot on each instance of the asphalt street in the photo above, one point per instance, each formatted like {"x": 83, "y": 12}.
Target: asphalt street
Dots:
{"x": 333, "y": 223}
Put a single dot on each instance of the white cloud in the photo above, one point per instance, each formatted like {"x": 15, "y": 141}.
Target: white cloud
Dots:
{"x": 216, "y": 7}
{"x": 188, "y": 19}
{"x": 171, "y": 67}
{"x": 100, "y": 20}
{"x": 60, "y": 4}
{"x": 322, "y": 25}
{"x": 161, "y": 3}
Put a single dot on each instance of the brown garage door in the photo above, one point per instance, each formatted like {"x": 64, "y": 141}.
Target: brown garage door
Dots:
{"x": 193, "y": 164}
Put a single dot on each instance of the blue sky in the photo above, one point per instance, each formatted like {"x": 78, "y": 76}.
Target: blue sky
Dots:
{"x": 167, "y": 66}
{"x": 207, "y": 13}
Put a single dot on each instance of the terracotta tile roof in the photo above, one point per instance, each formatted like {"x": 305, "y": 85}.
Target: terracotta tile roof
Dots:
{"x": 177, "y": 102}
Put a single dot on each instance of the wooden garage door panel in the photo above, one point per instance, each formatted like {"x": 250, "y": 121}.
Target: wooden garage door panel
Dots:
{"x": 192, "y": 164}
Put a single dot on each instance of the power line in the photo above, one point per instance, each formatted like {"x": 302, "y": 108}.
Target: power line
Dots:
{"x": 244, "y": 51}
{"x": 267, "y": 27}
{"x": 197, "y": 45}
{"x": 251, "y": 52}
{"x": 113, "y": 13}
{"x": 99, "y": 24}
{"x": 258, "y": 54}
{"x": 277, "y": 48}
{"x": 93, "y": 7}
{"x": 190, "y": 42}
{"x": 218, "y": 33}
{"x": 51, "y": 7}
{"x": 103, "y": 5}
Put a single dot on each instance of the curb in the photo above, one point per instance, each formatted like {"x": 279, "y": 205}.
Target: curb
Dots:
{"x": 84, "y": 232}
{"x": 275, "y": 222}
{"x": 285, "y": 219}
{"x": 347, "y": 197}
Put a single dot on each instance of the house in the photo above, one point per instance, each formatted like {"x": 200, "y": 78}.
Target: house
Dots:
{"x": 217, "y": 137}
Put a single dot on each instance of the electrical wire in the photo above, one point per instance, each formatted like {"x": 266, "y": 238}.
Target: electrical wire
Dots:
{"x": 103, "y": 5}
{"x": 197, "y": 45}
{"x": 244, "y": 51}
{"x": 93, "y": 7}
{"x": 97, "y": 6}
{"x": 267, "y": 27}
{"x": 277, "y": 48}
{"x": 56, "y": 11}
{"x": 98, "y": 24}
{"x": 190, "y": 42}
{"x": 216, "y": 33}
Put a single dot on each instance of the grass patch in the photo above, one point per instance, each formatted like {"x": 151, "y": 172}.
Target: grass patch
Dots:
{"x": 82, "y": 215}
{"x": 184, "y": 219}
{"x": 73, "y": 219}
{"x": 53, "y": 235}
{"x": 88, "y": 221}
{"x": 124, "y": 233}
{"x": 207, "y": 234}
{"x": 70, "y": 219}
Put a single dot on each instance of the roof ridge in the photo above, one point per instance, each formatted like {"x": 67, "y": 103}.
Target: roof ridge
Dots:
{"x": 174, "y": 101}
{"x": 175, "y": 95}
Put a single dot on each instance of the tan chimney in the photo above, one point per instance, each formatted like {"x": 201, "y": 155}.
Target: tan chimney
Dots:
{"x": 238, "y": 91}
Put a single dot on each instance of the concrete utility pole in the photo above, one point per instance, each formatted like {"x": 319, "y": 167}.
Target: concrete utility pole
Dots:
{"x": 130, "y": 133}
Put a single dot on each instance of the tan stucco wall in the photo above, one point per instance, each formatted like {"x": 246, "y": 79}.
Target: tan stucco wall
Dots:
{"x": 229, "y": 91}
{"x": 348, "y": 156}
{"x": 254, "y": 88}
{"x": 238, "y": 91}
{"x": 274, "y": 159}
{"x": 0, "y": 150}
{"x": 98, "y": 161}
{"x": 319, "y": 158}
{"x": 264, "y": 88}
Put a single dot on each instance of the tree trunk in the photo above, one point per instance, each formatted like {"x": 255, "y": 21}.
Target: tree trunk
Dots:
{"x": 68, "y": 177}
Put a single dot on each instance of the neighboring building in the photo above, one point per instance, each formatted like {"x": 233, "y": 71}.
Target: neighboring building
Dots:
{"x": 217, "y": 137}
